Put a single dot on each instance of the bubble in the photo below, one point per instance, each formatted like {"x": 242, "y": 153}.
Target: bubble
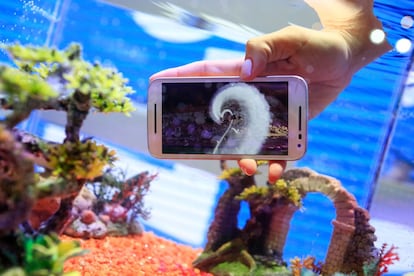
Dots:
{"x": 377, "y": 36}
{"x": 403, "y": 45}
{"x": 407, "y": 22}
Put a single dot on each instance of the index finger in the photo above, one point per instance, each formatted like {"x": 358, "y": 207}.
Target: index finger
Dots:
{"x": 203, "y": 68}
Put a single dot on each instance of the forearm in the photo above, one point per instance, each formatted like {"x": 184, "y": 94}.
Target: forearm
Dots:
{"x": 355, "y": 21}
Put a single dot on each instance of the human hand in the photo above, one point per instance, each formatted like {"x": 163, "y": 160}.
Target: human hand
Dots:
{"x": 327, "y": 59}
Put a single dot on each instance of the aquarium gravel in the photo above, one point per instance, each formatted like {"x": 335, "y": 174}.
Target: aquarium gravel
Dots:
{"x": 145, "y": 254}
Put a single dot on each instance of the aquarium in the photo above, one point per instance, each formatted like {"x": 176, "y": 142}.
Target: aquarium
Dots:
{"x": 145, "y": 216}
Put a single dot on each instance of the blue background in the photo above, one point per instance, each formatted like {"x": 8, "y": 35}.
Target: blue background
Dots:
{"x": 347, "y": 141}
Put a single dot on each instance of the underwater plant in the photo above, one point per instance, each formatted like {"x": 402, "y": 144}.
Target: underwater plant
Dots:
{"x": 257, "y": 248}
{"x": 387, "y": 257}
{"x": 46, "y": 254}
{"x": 36, "y": 174}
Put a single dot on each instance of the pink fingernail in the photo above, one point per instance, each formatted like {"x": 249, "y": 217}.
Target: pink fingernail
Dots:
{"x": 246, "y": 69}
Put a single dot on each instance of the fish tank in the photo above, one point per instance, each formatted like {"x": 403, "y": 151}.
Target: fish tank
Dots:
{"x": 88, "y": 199}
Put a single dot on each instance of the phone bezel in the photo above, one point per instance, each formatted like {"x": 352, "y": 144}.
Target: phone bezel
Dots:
{"x": 297, "y": 124}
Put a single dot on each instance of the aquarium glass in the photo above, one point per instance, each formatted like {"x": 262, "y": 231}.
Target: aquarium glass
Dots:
{"x": 364, "y": 138}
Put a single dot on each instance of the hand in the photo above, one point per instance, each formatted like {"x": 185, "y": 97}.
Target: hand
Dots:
{"x": 327, "y": 59}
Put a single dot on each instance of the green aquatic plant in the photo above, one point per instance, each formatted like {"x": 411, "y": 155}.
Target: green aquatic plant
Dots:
{"x": 65, "y": 81}
{"x": 46, "y": 254}
{"x": 22, "y": 86}
{"x": 227, "y": 173}
{"x": 78, "y": 160}
{"x": 23, "y": 55}
{"x": 44, "y": 78}
{"x": 106, "y": 87}
{"x": 279, "y": 189}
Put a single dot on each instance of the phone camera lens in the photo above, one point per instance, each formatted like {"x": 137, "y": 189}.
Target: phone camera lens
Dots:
{"x": 299, "y": 145}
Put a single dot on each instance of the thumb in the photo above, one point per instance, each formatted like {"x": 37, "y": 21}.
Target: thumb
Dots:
{"x": 255, "y": 60}
{"x": 272, "y": 51}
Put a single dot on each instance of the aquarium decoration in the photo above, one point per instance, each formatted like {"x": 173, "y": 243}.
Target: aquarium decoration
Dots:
{"x": 257, "y": 249}
{"x": 111, "y": 206}
{"x": 50, "y": 188}
{"x": 40, "y": 180}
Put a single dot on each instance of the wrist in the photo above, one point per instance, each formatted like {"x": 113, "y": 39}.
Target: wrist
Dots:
{"x": 356, "y": 23}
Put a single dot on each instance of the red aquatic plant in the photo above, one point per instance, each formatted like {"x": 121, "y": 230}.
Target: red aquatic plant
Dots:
{"x": 387, "y": 258}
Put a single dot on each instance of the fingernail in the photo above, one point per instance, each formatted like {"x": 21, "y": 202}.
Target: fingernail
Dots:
{"x": 246, "y": 172}
{"x": 246, "y": 69}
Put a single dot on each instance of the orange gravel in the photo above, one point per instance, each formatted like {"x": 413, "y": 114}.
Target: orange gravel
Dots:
{"x": 134, "y": 256}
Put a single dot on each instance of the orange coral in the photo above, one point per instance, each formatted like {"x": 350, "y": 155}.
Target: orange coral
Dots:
{"x": 297, "y": 265}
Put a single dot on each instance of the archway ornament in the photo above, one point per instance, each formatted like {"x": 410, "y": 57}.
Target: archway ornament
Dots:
{"x": 262, "y": 240}
{"x": 352, "y": 240}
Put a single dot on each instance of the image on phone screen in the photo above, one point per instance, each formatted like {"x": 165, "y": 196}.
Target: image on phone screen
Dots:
{"x": 225, "y": 118}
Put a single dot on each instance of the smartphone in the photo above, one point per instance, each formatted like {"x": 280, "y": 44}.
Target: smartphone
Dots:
{"x": 226, "y": 118}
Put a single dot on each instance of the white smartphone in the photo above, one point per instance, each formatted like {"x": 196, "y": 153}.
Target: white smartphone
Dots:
{"x": 226, "y": 118}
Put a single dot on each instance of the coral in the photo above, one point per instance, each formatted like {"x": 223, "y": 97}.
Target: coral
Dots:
{"x": 362, "y": 249}
{"x": 386, "y": 258}
{"x": 16, "y": 182}
{"x": 298, "y": 266}
{"x": 37, "y": 204}
{"x": 115, "y": 204}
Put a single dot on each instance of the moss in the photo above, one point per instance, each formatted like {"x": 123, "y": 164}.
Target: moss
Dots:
{"x": 21, "y": 86}
{"x": 106, "y": 87}
{"x": 230, "y": 172}
{"x": 283, "y": 188}
{"x": 266, "y": 193}
{"x": 239, "y": 269}
{"x": 79, "y": 160}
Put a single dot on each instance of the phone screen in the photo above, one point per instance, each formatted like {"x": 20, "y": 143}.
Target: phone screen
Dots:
{"x": 225, "y": 118}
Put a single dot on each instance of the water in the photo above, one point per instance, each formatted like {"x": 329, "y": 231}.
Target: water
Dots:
{"x": 348, "y": 141}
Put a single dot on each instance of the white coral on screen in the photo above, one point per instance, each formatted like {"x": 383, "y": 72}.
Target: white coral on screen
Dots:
{"x": 249, "y": 114}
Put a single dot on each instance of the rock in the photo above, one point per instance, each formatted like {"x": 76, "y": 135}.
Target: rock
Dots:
{"x": 78, "y": 229}
{"x": 135, "y": 227}
{"x": 42, "y": 210}
{"x": 84, "y": 201}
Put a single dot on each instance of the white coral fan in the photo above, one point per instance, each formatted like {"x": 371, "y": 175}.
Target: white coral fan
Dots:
{"x": 250, "y": 113}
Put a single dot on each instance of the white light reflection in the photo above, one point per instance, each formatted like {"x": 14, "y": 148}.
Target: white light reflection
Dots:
{"x": 407, "y": 22}
{"x": 403, "y": 45}
{"x": 377, "y": 36}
